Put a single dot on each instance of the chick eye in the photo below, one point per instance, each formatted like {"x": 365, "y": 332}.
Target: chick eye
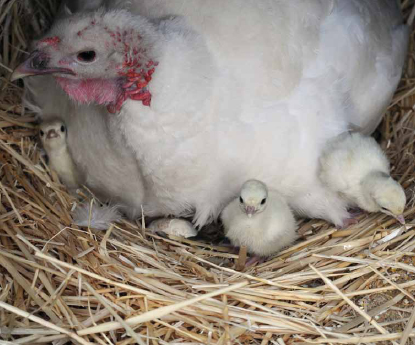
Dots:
{"x": 62, "y": 128}
{"x": 86, "y": 56}
{"x": 42, "y": 133}
{"x": 241, "y": 200}
{"x": 263, "y": 201}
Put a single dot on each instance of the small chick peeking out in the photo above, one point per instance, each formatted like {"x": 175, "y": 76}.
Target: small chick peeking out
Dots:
{"x": 259, "y": 219}
{"x": 53, "y": 135}
{"x": 356, "y": 167}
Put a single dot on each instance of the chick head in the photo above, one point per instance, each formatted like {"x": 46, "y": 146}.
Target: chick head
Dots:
{"x": 253, "y": 198}
{"x": 389, "y": 195}
{"x": 53, "y": 134}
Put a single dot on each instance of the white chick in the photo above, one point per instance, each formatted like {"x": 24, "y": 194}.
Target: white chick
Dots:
{"x": 356, "y": 167}
{"x": 259, "y": 219}
{"x": 53, "y": 136}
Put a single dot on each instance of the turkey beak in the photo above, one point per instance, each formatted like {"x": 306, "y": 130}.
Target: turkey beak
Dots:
{"x": 250, "y": 211}
{"x": 37, "y": 64}
{"x": 52, "y": 134}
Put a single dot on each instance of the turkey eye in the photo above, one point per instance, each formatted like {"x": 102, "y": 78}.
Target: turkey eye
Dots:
{"x": 42, "y": 133}
{"x": 62, "y": 128}
{"x": 263, "y": 201}
{"x": 86, "y": 56}
{"x": 241, "y": 200}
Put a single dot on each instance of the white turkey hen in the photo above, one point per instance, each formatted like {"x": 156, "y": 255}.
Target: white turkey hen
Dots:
{"x": 211, "y": 93}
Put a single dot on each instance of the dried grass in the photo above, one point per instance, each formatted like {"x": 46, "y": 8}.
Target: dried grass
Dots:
{"x": 60, "y": 284}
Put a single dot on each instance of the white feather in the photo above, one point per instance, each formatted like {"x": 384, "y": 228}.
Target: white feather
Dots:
{"x": 97, "y": 217}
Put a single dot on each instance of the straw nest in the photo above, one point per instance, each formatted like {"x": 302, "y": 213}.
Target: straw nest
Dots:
{"x": 63, "y": 284}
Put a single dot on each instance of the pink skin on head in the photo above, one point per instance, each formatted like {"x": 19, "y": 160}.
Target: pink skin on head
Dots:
{"x": 64, "y": 62}
{"x": 135, "y": 73}
{"x": 100, "y": 91}
{"x": 50, "y": 41}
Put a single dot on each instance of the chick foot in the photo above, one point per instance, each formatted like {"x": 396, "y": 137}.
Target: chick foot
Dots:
{"x": 348, "y": 222}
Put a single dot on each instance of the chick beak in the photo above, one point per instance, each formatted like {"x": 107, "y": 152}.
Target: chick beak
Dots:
{"x": 52, "y": 134}
{"x": 400, "y": 218}
{"x": 250, "y": 211}
{"x": 36, "y": 64}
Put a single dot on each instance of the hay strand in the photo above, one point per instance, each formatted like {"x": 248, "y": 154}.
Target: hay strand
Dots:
{"x": 43, "y": 322}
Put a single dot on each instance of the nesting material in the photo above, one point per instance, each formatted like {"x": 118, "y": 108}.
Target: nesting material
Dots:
{"x": 60, "y": 283}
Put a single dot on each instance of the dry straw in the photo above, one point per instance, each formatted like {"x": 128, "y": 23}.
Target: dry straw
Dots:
{"x": 61, "y": 284}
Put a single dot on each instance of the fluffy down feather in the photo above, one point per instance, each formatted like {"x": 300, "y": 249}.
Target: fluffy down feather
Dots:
{"x": 97, "y": 217}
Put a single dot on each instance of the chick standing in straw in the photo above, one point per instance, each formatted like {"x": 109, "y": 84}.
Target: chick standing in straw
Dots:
{"x": 259, "y": 219}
